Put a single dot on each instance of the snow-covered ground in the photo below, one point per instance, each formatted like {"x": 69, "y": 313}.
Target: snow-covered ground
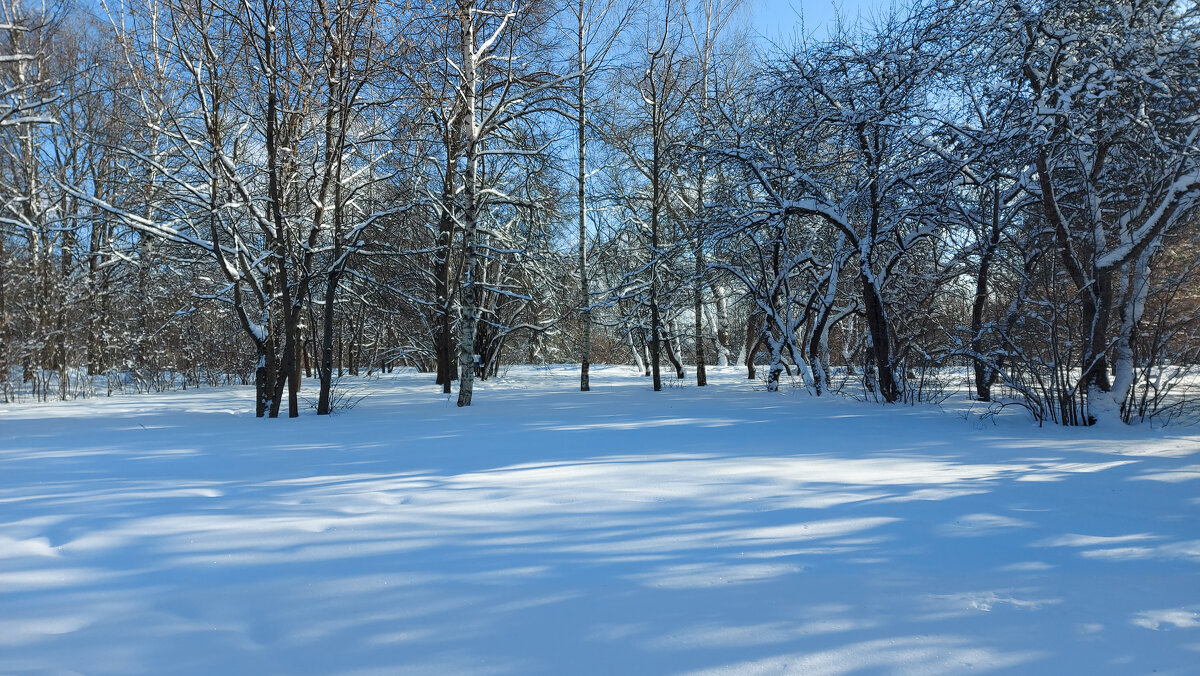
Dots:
{"x": 722, "y": 530}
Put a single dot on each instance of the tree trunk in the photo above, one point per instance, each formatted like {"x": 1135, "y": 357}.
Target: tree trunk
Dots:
{"x": 469, "y": 318}
{"x": 325, "y": 369}
{"x": 284, "y": 372}
{"x": 444, "y": 333}
{"x": 636, "y": 348}
{"x": 753, "y": 340}
{"x": 655, "y": 352}
{"x": 581, "y": 178}
{"x": 880, "y": 341}
{"x": 698, "y": 309}
{"x": 985, "y": 374}
{"x": 722, "y": 323}
{"x": 1096, "y": 317}
{"x": 5, "y": 357}
{"x": 673, "y": 357}
{"x": 262, "y": 387}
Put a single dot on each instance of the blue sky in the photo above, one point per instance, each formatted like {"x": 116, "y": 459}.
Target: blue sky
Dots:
{"x": 779, "y": 20}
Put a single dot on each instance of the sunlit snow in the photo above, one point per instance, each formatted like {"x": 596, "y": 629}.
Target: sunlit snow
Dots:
{"x": 723, "y": 530}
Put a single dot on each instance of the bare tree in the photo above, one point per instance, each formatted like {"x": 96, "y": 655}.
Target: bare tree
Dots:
{"x": 1116, "y": 158}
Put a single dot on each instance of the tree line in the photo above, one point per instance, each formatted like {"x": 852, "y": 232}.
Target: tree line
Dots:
{"x": 261, "y": 191}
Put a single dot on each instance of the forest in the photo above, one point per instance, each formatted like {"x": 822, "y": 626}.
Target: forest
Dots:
{"x": 635, "y": 337}
{"x": 206, "y": 192}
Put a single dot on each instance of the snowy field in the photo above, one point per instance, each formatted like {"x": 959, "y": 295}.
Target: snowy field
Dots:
{"x": 722, "y": 530}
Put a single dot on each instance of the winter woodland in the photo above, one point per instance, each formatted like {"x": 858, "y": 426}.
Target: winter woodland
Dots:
{"x": 655, "y": 346}
{"x": 200, "y": 192}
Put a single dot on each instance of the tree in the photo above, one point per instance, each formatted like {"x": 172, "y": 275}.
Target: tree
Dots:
{"x": 597, "y": 27}
{"x": 1115, "y": 159}
{"x": 650, "y": 141}
{"x": 861, "y": 110}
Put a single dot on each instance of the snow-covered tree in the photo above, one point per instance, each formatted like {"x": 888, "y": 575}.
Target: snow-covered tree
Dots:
{"x": 1114, "y": 147}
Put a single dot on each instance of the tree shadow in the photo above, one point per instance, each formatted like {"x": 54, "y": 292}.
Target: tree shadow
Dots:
{"x": 802, "y": 536}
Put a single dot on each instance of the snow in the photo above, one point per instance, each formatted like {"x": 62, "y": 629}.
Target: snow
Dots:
{"x": 723, "y": 530}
